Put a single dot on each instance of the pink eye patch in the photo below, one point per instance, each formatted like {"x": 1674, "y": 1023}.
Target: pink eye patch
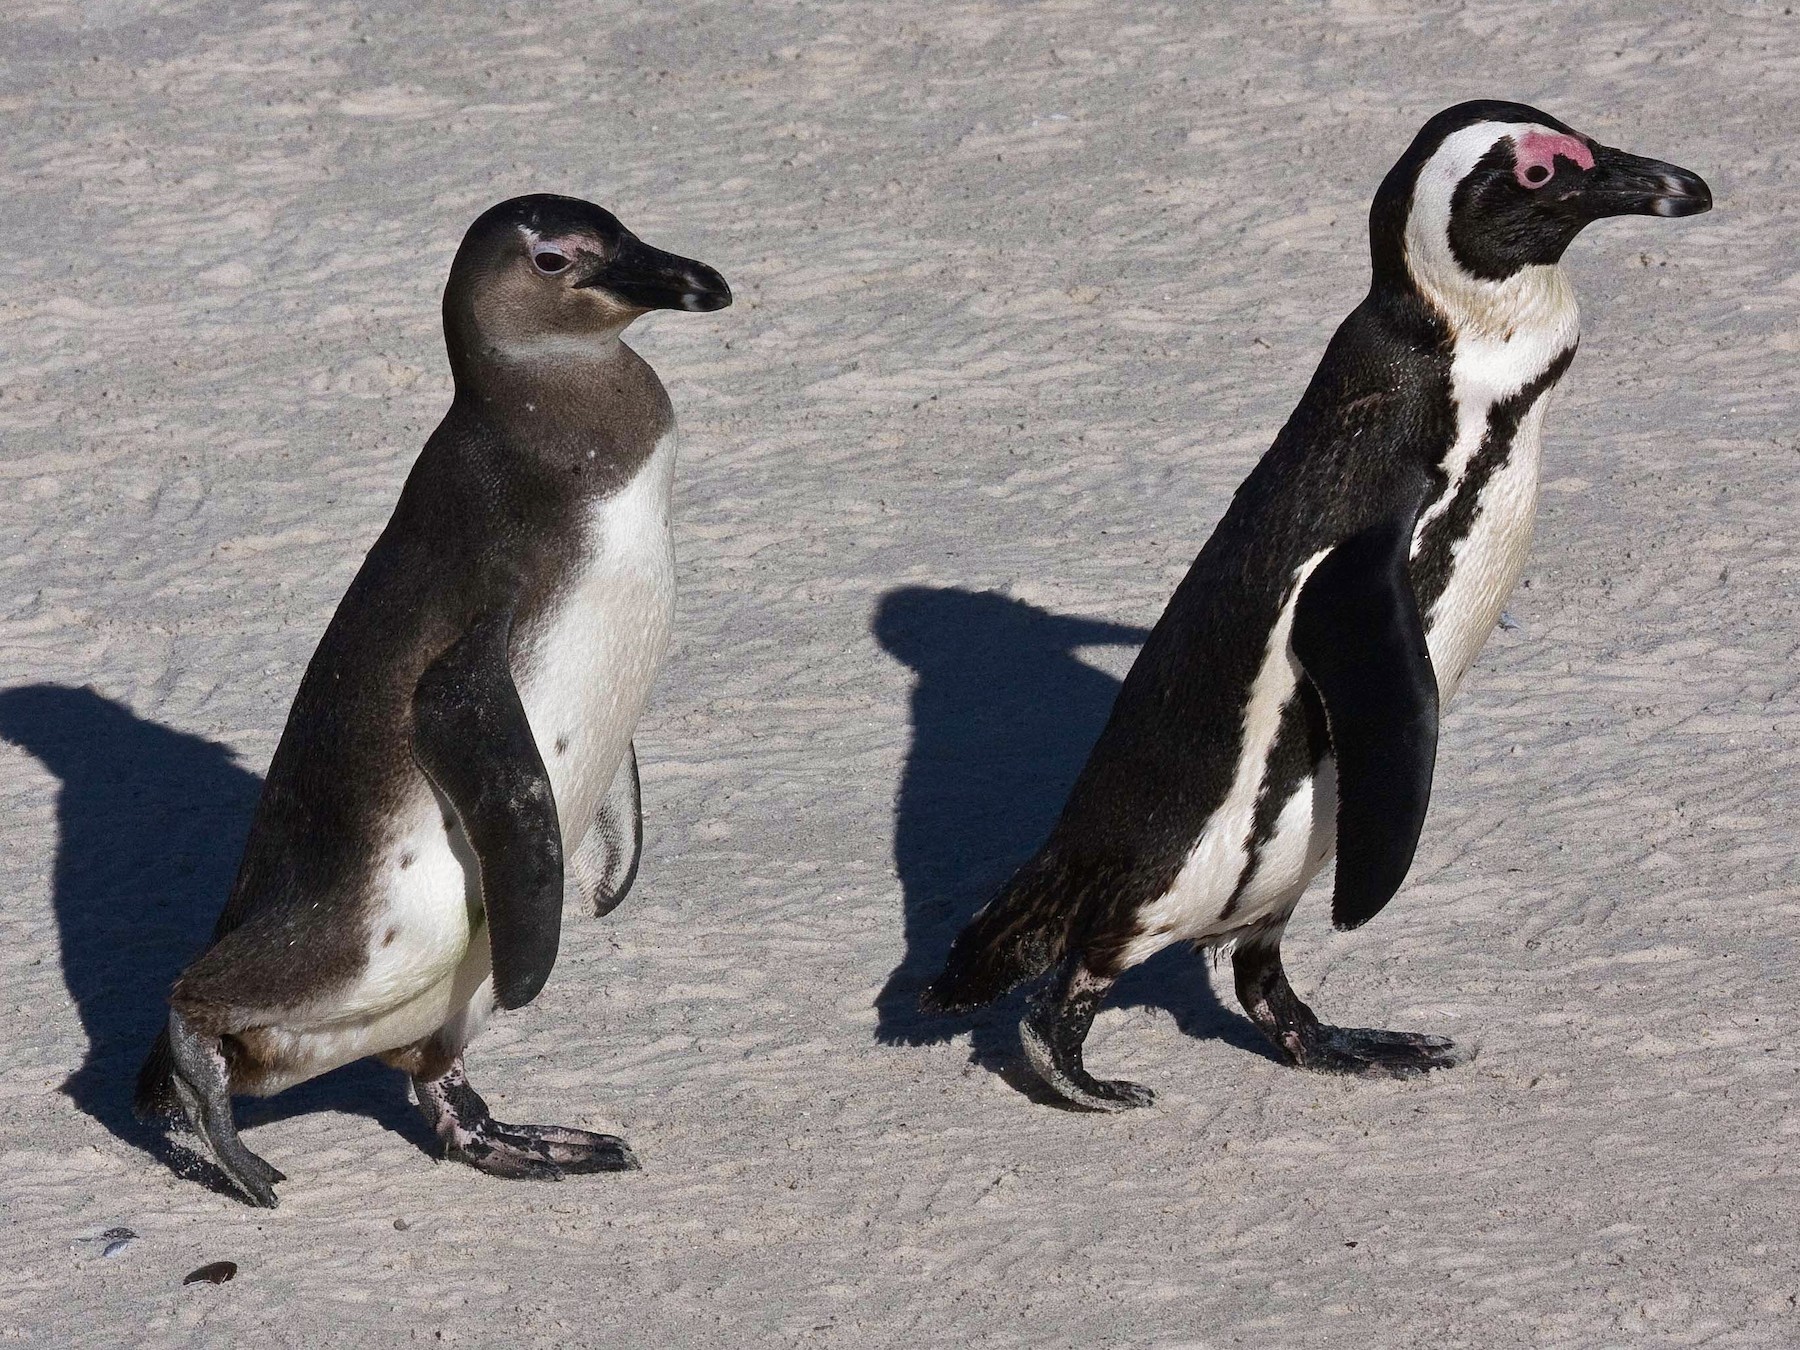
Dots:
{"x": 1534, "y": 156}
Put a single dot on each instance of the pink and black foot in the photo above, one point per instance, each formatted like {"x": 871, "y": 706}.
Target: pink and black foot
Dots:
{"x": 460, "y": 1119}
{"x": 1303, "y": 1040}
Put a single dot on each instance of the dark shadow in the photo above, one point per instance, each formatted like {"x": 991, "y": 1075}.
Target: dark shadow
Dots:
{"x": 151, "y": 822}
{"x": 1004, "y": 713}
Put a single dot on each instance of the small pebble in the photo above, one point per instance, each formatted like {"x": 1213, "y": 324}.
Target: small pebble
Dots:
{"x": 216, "y": 1272}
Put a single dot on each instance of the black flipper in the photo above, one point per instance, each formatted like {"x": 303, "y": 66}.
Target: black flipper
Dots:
{"x": 606, "y": 863}
{"x": 1359, "y": 636}
{"x": 471, "y": 738}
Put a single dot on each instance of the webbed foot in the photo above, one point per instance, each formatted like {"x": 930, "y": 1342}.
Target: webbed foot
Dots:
{"x": 1301, "y": 1039}
{"x": 470, "y": 1134}
{"x": 1367, "y": 1051}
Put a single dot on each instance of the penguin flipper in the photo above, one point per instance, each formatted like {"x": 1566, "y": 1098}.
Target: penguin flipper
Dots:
{"x": 1361, "y": 640}
{"x": 607, "y": 862}
{"x": 471, "y": 737}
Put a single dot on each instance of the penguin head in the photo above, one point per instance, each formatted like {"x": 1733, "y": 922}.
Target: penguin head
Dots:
{"x": 548, "y": 269}
{"x": 1488, "y": 190}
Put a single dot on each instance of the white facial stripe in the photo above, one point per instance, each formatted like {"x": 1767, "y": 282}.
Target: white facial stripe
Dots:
{"x": 1506, "y": 335}
{"x": 1533, "y": 297}
{"x": 1428, "y": 252}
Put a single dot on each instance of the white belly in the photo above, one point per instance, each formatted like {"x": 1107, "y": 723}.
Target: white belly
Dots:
{"x": 1486, "y": 563}
{"x": 423, "y": 967}
{"x": 1485, "y": 566}
{"x": 584, "y": 672}
{"x": 585, "y": 669}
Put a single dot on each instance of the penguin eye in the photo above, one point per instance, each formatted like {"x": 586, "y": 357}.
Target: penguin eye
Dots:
{"x": 549, "y": 261}
{"x": 1537, "y": 175}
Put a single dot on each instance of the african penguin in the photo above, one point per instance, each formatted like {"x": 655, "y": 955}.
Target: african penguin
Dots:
{"x": 1286, "y": 705}
{"x": 466, "y": 722}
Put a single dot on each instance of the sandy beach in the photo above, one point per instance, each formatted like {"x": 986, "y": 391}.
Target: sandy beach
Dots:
{"x": 1023, "y": 291}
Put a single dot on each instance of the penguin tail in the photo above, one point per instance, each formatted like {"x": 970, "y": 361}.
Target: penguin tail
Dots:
{"x": 1017, "y": 935}
{"x": 155, "y": 1101}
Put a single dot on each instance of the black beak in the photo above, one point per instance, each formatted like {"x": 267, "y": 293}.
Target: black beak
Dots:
{"x": 648, "y": 278}
{"x": 1630, "y": 185}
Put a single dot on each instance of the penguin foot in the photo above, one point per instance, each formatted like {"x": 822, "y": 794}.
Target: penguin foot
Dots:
{"x": 203, "y": 1088}
{"x": 1368, "y": 1051}
{"x": 540, "y": 1152}
{"x": 470, "y": 1134}
{"x": 1065, "y": 1075}
{"x": 1303, "y": 1040}
{"x": 1052, "y": 1034}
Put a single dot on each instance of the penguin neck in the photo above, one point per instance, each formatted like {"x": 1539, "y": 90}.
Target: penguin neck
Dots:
{"x": 594, "y": 408}
{"x": 486, "y": 367}
{"x": 1536, "y": 301}
{"x": 1496, "y": 337}
{"x": 566, "y": 384}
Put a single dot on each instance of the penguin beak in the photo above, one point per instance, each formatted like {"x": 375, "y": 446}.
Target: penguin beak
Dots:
{"x": 1621, "y": 184}
{"x": 648, "y": 278}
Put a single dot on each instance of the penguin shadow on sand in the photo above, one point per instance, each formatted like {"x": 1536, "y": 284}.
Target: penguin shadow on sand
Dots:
{"x": 151, "y": 822}
{"x": 1004, "y": 712}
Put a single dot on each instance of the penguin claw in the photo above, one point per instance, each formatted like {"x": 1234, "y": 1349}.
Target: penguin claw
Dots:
{"x": 1110, "y": 1095}
{"x": 575, "y": 1152}
{"x": 504, "y": 1163}
{"x": 1116, "y": 1094}
{"x": 254, "y": 1178}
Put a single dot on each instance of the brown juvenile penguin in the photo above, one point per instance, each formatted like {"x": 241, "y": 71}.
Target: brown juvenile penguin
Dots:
{"x": 466, "y": 721}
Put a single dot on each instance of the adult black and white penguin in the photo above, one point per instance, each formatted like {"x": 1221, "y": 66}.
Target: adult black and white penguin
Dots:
{"x": 466, "y": 723}
{"x": 1286, "y": 705}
